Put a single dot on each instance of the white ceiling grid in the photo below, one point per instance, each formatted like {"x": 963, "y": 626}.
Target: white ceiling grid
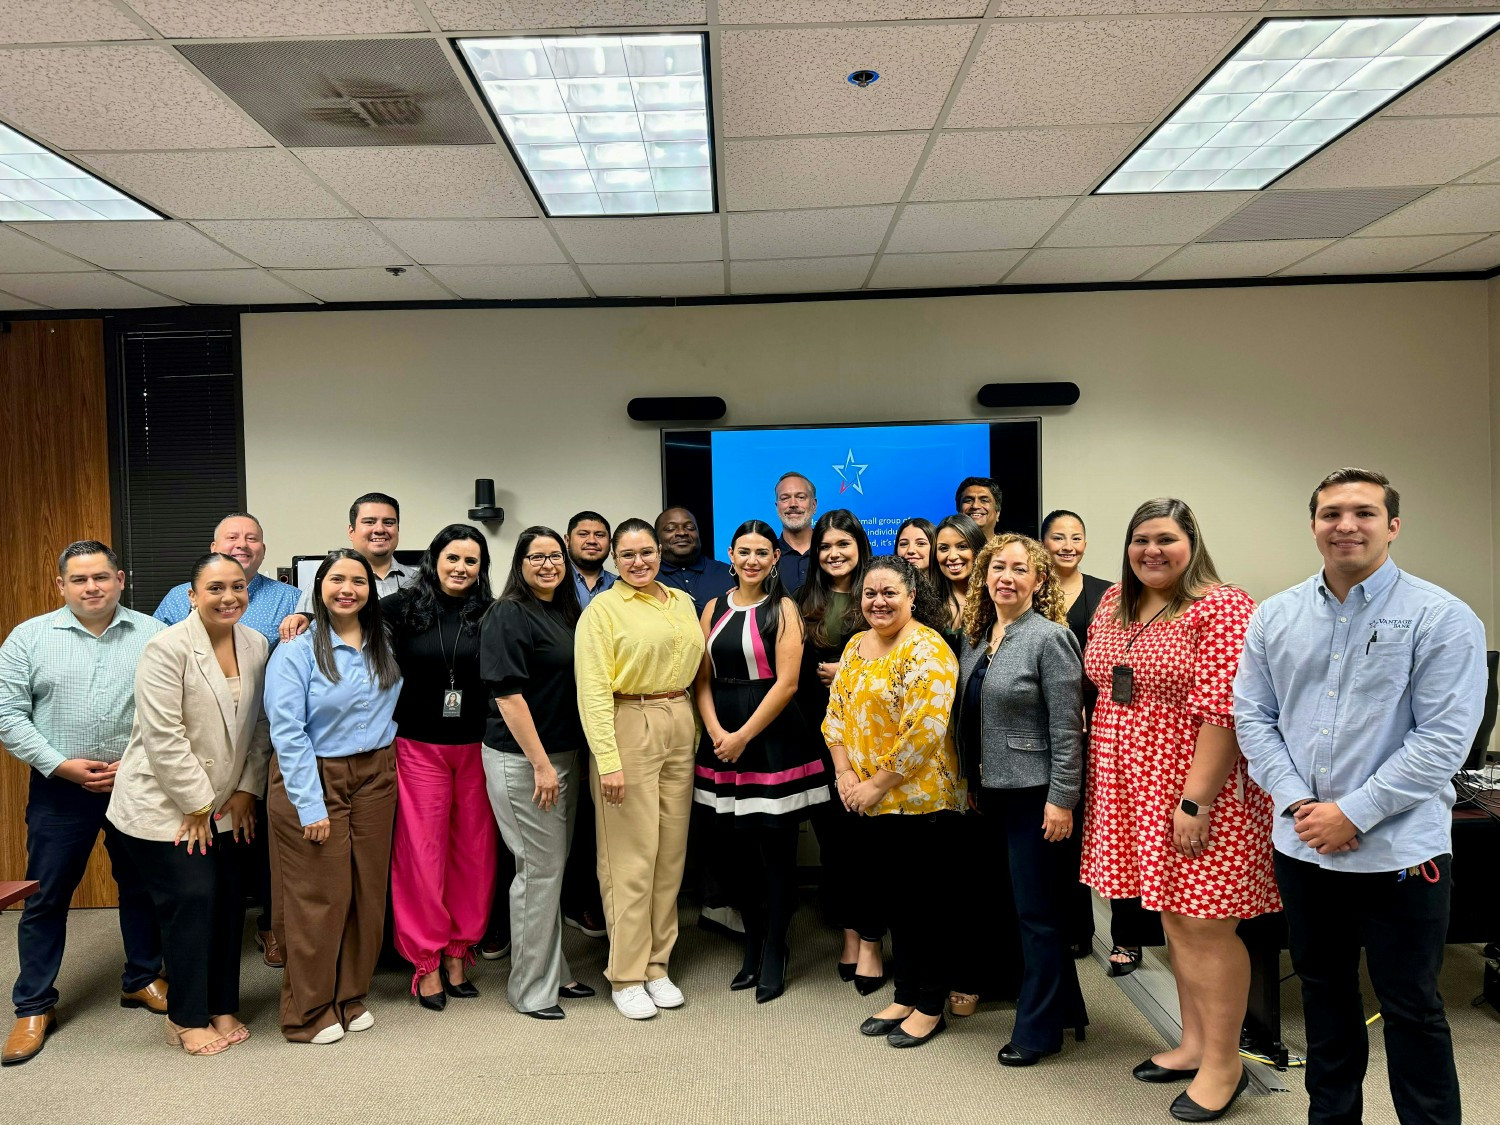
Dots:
{"x": 969, "y": 163}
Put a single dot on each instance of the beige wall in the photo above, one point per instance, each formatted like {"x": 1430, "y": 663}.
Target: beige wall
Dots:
{"x": 1237, "y": 400}
{"x": 1494, "y": 325}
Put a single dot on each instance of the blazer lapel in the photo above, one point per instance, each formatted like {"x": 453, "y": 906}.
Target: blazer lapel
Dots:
{"x": 208, "y": 664}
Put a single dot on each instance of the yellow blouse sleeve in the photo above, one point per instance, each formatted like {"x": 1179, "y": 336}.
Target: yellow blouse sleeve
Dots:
{"x": 838, "y": 692}
{"x": 928, "y": 678}
{"x": 593, "y": 666}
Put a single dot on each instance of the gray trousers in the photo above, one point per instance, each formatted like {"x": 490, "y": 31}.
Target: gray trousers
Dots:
{"x": 539, "y": 841}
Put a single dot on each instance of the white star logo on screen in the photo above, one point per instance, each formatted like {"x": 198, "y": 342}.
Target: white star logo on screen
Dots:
{"x": 849, "y": 473}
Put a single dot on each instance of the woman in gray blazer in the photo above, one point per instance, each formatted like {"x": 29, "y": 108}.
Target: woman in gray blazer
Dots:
{"x": 1019, "y": 718}
{"x": 185, "y": 795}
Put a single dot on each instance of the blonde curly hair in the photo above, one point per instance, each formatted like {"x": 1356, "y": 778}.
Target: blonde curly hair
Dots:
{"x": 1046, "y": 599}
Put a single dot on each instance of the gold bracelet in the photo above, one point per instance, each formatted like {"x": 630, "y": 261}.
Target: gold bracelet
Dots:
{"x": 204, "y": 811}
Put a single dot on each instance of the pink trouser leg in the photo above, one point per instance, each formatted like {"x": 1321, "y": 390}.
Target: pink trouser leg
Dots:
{"x": 419, "y": 857}
{"x": 470, "y": 880}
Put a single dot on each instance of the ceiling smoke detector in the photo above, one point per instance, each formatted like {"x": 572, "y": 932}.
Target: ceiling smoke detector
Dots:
{"x": 863, "y": 78}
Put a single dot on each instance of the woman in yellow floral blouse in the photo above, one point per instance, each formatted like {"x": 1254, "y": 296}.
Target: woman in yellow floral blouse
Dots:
{"x": 887, "y": 730}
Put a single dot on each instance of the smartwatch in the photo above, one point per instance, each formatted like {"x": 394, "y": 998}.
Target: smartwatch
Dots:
{"x": 1193, "y": 808}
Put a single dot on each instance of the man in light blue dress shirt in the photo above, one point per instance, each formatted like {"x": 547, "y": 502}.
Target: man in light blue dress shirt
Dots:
{"x": 1357, "y": 699}
{"x": 588, "y": 547}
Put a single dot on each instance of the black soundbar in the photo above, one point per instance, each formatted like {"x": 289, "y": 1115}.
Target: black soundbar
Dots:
{"x": 708, "y": 408}
{"x": 999, "y": 396}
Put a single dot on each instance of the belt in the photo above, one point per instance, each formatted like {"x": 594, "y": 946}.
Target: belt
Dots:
{"x": 680, "y": 693}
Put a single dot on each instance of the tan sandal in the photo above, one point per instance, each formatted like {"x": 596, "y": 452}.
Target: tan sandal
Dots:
{"x": 212, "y": 1047}
{"x": 236, "y": 1034}
{"x": 962, "y": 1003}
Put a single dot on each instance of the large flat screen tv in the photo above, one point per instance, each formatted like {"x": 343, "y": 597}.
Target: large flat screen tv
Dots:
{"x": 883, "y": 472}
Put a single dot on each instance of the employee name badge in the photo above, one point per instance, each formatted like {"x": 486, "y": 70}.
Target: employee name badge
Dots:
{"x": 453, "y": 703}
{"x": 1122, "y": 684}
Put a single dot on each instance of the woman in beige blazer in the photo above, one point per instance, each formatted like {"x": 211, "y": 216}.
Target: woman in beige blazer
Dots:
{"x": 185, "y": 792}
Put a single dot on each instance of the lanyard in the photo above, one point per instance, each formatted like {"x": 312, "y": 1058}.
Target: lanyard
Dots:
{"x": 443, "y": 648}
{"x": 1136, "y": 635}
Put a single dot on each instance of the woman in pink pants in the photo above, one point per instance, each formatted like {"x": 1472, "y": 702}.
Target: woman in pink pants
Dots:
{"x": 443, "y": 860}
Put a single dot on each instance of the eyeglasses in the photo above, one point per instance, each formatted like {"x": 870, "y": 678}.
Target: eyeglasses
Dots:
{"x": 553, "y": 559}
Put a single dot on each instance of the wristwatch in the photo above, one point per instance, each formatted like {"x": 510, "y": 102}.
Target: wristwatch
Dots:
{"x": 1193, "y": 808}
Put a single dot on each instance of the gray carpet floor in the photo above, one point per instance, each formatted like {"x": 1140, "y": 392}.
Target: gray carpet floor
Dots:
{"x": 721, "y": 1058}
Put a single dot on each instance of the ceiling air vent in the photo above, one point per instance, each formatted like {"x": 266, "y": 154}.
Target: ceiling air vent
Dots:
{"x": 1310, "y": 214}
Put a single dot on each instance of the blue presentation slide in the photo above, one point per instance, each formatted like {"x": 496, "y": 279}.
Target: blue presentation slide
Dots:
{"x": 883, "y": 474}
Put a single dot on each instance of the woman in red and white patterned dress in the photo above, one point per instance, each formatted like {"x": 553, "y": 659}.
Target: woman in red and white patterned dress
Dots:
{"x": 1172, "y": 815}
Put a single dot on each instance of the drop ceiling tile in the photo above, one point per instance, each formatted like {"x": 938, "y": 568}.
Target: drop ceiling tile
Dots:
{"x": 118, "y": 98}
{"x": 1067, "y": 267}
{"x": 845, "y": 11}
{"x": 1144, "y": 220}
{"x": 1448, "y": 210}
{"x": 252, "y": 183}
{"x": 1397, "y": 151}
{"x": 19, "y": 254}
{"x": 799, "y": 275}
{"x": 435, "y": 182}
{"x": 306, "y": 244}
{"x": 669, "y": 238}
{"x": 1470, "y": 84}
{"x": 1373, "y": 5}
{"x": 237, "y": 19}
{"x": 96, "y": 290}
{"x": 1084, "y": 72}
{"x": 1235, "y": 259}
{"x": 65, "y": 21}
{"x": 144, "y": 245}
{"x": 365, "y": 285}
{"x": 1483, "y": 255}
{"x": 993, "y": 224}
{"x": 1013, "y": 8}
{"x": 781, "y": 82}
{"x": 976, "y": 267}
{"x": 1489, "y": 174}
{"x": 1022, "y": 162}
{"x": 779, "y": 173}
{"x": 1377, "y": 255}
{"x": 15, "y": 304}
{"x": 823, "y": 233}
{"x": 221, "y": 287}
{"x": 511, "y": 283}
{"x": 687, "y": 279}
{"x": 495, "y": 15}
{"x": 473, "y": 242}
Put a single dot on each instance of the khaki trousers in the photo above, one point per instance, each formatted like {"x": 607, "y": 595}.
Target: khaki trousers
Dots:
{"x": 331, "y": 896}
{"x": 643, "y": 842}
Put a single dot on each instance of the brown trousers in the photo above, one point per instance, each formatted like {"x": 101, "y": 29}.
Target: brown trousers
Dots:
{"x": 330, "y": 897}
{"x": 643, "y": 843}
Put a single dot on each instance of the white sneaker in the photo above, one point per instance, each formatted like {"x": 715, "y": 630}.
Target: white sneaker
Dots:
{"x": 665, "y": 994}
{"x": 330, "y": 1034}
{"x": 634, "y": 1004}
{"x": 362, "y": 1022}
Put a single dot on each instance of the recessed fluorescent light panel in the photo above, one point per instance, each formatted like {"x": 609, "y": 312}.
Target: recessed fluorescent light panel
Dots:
{"x": 38, "y": 186}
{"x": 1292, "y": 88}
{"x": 604, "y": 124}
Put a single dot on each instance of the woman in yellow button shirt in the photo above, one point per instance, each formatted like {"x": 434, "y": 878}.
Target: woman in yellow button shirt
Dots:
{"x": 636, "y": 651}
{"x": 887, "y": 730}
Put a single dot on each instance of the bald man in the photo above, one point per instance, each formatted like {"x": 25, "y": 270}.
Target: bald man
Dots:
{"x": 239, "y": 534}
{"x": 683, "y": 563}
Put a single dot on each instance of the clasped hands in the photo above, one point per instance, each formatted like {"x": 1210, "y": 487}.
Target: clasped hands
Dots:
{"x": 858, "y": 796}
{"x": 1322, "y": 826}
{"x": 198, "y": 828}
{"x": 728, "y": 746}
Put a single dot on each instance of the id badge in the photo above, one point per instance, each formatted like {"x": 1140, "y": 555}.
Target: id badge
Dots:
{"x": 1122, "y": 684}
{"x": 453, "y": 703}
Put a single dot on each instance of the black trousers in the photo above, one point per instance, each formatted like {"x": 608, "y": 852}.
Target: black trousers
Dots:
{"x": 201, "y": 907}
{"x": 62, "y": 822}
{"x": 1042, "y": 878}
{"x": 987, "y": 955}
{"x": 910, "y": 860}
{"x": 755, "y": 861}
{"x": 255, "y": 870}
{"x": 1402, "y": 926}
{"x": 847, "y": 902}
{"x": 580, "y": 889}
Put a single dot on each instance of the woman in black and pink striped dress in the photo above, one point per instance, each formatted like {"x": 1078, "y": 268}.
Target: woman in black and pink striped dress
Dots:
{"x": 755, "y": 767}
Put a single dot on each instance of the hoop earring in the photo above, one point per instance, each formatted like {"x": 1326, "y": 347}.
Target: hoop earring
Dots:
{"x": 732, "y": 572}
{"x": 773, "y": 571}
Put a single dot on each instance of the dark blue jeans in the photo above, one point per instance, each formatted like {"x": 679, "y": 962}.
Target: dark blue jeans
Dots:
{"x": 62, "y": 822}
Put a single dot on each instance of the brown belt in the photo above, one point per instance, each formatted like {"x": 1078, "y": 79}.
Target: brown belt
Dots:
{"x": 681, "y": 693}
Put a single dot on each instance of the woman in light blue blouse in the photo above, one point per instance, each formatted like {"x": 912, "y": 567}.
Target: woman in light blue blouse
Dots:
{"x": 331, "y": 697}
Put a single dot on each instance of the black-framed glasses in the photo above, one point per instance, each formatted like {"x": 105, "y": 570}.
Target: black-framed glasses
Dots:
{"x": 541, "y": 560}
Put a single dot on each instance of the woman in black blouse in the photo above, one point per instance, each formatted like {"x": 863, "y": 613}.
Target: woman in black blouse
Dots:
{"x": 443, "y": 856}
{"x": 532, "y": 759}
{"x": 1131, "y": 926}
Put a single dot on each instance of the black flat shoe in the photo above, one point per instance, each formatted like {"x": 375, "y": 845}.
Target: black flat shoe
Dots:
{"x": 900, "y": 1038}
{"x": 552, "y": 1013}
{"x": 575, "y": 991}
{"x": 846, "y": 971}
{"x": 434, "y": 1003}
{"x": 1185, "y": 1109}
{"x": 1151, "y": 1071}
{"x": 866, "y": 985}
{"x": 463, "y": 990}
{"x": 744, "y": 979}
{"x": 877, "y": 1026}
{"x": 1011, "y": 1055}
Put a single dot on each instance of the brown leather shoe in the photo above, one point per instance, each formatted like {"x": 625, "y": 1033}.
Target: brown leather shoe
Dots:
{"x": 270, "y": 949}
{"x": 27, "y": 1038}
{"x": 153, "y": 997}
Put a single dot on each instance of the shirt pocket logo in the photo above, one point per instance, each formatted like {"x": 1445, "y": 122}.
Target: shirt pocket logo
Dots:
{"x": 1383, "y": 671}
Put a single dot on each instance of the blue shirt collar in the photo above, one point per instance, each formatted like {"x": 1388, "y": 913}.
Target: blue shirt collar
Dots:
{"x": 1368, "y": 590}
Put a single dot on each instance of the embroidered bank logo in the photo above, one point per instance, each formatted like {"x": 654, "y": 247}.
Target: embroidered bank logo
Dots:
{"x": 850, "y": 473}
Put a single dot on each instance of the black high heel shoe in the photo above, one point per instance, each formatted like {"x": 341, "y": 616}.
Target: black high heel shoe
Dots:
{"x": 577, "y": 991}
{"x": 866, "y": 985}
{"x": 463, "y": 990}
{"x": 772, "y": 974}
{"x": 437, "y": 1002}
{"x": 1185, "y": 1109}
{"x": 846, "y": 971}
{"x": 1012, "y": 1055}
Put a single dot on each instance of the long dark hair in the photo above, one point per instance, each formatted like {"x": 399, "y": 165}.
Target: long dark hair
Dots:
{"x": 565, "y": 597}
{"x": 416, "y": 607}
{"x": 973, "y": 535}
{"x": 1197, "y": 579}
{"x": 928, "y": 607}
{"x": 379, "y": 658}
{"x": 771, "y": 586}
{"x": 817, "y": 591}
{"x": 925, "y": 526}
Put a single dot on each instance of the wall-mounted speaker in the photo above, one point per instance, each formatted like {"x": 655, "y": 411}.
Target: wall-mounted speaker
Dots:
{"x": 1000, "y": 396}
{"x": 708, "y": 408}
